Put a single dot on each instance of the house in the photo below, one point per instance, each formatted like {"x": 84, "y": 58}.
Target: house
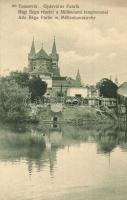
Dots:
{"x": 109, "y": 102}
{"x": 93, "y": 101}
{"x": 77, "y": 92}
{"x": 122, "y": 97}
{"x": 122, "y": 90}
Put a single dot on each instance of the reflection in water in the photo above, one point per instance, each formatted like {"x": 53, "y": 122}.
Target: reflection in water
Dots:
{"x": 38, "y": 147}
{"x": 107, "y": 140}
{"x": 41, "y": 147}
{"x": 55, "y": 150}
{"x": 45, "y": 156}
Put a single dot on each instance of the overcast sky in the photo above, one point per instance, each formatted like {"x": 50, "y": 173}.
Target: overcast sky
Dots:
{"x": 98, "y": 49}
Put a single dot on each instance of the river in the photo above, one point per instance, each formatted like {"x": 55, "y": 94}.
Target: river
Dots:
{"x": 62, "y": 163}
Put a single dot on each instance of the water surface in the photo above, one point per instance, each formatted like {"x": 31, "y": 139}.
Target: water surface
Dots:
{"x": 63, "y": 163}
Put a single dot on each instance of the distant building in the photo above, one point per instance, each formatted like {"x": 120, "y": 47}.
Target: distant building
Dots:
{"x": 122, "y": 93}
{"x": 122, "y": 90}
{"x": 78, "y": 78}
{"x": 93, "y": 92}
{"x": 116, "y": 81}
{"x": 109, "y": 102}
{"x": 77, "y": 92}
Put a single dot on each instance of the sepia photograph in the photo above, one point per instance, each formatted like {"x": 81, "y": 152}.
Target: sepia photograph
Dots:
{"x": 63, "y": 99}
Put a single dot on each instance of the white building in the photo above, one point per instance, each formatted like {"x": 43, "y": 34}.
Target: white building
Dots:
{"x": 77, "y": 92}
{"x": 48, "y": 80}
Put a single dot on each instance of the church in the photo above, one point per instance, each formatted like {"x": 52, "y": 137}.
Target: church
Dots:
{"x": 47, "y": 67}
{"x": 42, "y": 63}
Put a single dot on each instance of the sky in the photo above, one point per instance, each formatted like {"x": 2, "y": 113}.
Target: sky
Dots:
{"x": 97, "y": 48}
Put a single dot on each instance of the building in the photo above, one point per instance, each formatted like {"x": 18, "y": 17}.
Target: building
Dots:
{"x": 77, "y": 92}
{"x": 122, "y": 90}
{"x": 108, "y": 102}
{"x": 116, "y": 81}
{"x": 122, "y": 94}
{"x": 47, "y": 67}
{"x": 78, "y": 78}
{"x": 42, "y": 63}
{"x": 62, "y": 84}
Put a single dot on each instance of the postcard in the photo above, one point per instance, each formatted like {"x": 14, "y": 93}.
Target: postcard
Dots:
{"x": 63, "y": 100}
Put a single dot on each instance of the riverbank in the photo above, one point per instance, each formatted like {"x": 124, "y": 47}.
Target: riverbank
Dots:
{"x": 77, "y": 115}
{"x": 63, "y": 114}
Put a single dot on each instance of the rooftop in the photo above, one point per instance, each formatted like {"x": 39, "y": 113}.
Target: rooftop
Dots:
{"x": 122, "y": 90}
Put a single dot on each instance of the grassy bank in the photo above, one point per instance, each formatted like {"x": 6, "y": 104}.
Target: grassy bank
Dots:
{"x": 80, "y": 114}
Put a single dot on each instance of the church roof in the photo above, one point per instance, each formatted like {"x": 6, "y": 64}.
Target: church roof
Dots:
{"x": 122, "y": 90}
{"x": 59, "y": 78}
{"x": 54, "y": 47}
{"x": 78, "y": 77}
{"x": 42, "y": 54}
{"x": 32, "y": 50}
{"x": 74, "y": 83}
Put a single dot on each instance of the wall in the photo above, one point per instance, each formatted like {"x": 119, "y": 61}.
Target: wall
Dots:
{"x": 72, "y": 92}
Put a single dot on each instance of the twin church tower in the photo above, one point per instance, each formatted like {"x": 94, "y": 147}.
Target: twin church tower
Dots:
{"x": 42, "y": 63}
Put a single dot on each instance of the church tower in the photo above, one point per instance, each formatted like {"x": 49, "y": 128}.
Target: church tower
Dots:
{"x": 55, "y": 58}
{"x": 78, "y": 77}
{"x": 31, "y": 56}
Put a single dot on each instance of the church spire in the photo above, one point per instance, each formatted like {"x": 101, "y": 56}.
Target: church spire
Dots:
{"x": 116, "y": 80}
{"x": 54, "y": 51}
{"x": 78, "y": 77}
{"x": 54, "y": 59}
{"x": 32, "y": 51}
{"x": 42, "y": 45}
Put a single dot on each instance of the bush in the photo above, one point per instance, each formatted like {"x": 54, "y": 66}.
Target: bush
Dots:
{"x": 12, "y": 97}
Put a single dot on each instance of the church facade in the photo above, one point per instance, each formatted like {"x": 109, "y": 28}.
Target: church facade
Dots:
{"x": 42, "y": 63}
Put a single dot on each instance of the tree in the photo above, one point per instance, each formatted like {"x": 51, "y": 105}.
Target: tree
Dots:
{"x": 107, "y": 88}
{"x": 12, "y": 106}
{"x": 37, "y": 87}
{"x": 21, "y": 78}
